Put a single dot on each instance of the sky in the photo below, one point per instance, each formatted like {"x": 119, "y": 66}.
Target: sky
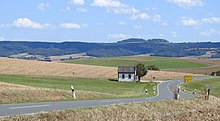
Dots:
{"x": 107, "y": 21}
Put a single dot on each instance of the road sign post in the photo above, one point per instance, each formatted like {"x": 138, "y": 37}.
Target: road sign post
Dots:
{"x": 187, "y": 79}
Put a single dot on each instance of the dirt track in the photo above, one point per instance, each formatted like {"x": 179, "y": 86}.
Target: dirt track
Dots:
{"x": 27, "y": 67}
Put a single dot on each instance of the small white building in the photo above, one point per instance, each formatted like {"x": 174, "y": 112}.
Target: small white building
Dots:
{"x": 127, "y": 73}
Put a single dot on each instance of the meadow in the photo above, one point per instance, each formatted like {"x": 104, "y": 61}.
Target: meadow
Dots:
{"x": 161, "y": 62}
{"x": 213, "y": 84}
{"x": 106, "y": 88}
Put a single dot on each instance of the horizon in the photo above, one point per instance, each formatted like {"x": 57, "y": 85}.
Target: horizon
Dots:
{"x": 99, "y": 42}
{"x": 109, "y": 21}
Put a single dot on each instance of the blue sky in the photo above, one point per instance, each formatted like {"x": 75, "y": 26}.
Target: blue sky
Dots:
{"x": 109, "y": 20}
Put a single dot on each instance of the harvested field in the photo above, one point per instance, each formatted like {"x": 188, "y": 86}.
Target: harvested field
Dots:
{"x": 16, "y": 93}
{"x": 37, "y": 68}
{"x": 26, "y": 67}
{"x": 204, "y": 71}
{"x": 177, "y": 110}
{"x": 165, "y": 75}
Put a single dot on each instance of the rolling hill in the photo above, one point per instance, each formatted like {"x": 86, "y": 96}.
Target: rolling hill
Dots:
{"x": 133, "y": 46}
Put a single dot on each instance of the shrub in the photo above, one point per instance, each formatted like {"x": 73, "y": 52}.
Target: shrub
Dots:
{"x": 153, "y": 67}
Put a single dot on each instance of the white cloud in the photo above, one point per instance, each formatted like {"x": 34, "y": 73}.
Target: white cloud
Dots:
{"x": 67, "y": 8}
{"x": 118, "y": 36}
{"x": 211, "y": 20}
{"x": 43, "y": 6}
{"x": 151, "y": 8}
{"x": 141, "y": 16}
{"x": 186, "y": 21}
{"x": 156, "y": 18}
{"x": 174, "y": 34}
{"x": 78, "y": 2}
{"x": 107, "y": 3}
{"x": 187, "y": 3}
{"x": 84, "y": 10}
{"x": 115, "y": 6}
{"x": 161, "y": 35}
{"x": 85, "y": 25}
{"x": 123, "y": 10}
{"x": 164, "y": 24}
{"x": 121, "y": 23}
{"x": 70, "y": 26}
{"x": 137, "y": 27}
{"x": 209, "y": 32}
{"x": 27, "y": 23}
{"x": 2, "y": 38}
{"x": 189, "y": 21}
{"x": 100, "y": 24}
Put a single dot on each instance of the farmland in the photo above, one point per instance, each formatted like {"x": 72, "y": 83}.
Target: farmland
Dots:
{"x": 100, "y": 88}
{"x": 161, "y": 62}
{"x": 36, "y": 68}
{"x": 213, "y": 66}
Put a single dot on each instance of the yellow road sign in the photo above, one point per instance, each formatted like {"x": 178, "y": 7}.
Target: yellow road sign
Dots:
{"x": 187, "y": 79}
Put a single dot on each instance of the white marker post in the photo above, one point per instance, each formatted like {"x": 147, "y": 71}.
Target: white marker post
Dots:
{"x": 146, "y": 91}
{"x": 154, "y": 89}
{"x": 73, "y": 92}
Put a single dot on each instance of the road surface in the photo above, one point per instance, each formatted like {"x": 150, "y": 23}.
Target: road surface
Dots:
{"x": 164, "y": 93}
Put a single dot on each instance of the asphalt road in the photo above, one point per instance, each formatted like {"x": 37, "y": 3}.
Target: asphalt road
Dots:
{"x": 164, "y": 93}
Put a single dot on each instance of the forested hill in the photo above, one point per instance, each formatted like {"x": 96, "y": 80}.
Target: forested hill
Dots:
{"x": 133, "y": 46}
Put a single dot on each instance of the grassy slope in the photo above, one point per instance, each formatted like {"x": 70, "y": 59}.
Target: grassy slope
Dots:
{"x": 214, "y": 84}
{"x": 162, "y": 63}
{"x": 119, "y": 89}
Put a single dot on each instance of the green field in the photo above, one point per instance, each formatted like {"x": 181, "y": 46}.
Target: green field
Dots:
{"x": 162, "y": 63}
{"x": 213, "y": 84}
{"x": 119, "y": 89}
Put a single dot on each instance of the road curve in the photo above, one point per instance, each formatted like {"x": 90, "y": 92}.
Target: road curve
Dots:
{"x": 164, "y": 93}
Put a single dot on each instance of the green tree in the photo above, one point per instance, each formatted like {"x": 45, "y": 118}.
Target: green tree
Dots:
{"x": 153, "y": 67}
{"x": 141, "y": 70}
{"x": 218, "y": 73}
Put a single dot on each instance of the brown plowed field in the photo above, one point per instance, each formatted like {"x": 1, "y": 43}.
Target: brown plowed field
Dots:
{"x": 28, "y": 67}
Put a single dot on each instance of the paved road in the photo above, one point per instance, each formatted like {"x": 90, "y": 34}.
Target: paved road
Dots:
{"x": 164, "y": 93}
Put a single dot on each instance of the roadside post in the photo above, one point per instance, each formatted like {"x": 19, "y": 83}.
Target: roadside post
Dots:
{"x": 154, "y": 89}
{"x": 73, "y": 92}
{"x": 146, "y": 91}
{"x": 207, "y": 91}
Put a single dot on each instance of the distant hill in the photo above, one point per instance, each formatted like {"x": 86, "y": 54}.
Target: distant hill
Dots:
{"x": 133, "y": 40}
{"x": 133, "y": 46}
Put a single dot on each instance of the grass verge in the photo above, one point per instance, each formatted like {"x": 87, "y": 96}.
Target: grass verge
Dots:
{"x": 213, "y": 84}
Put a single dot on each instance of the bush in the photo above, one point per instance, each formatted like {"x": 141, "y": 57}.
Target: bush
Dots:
{"x": 213, "y": 74}
{"x": 153, "y": 67}
{"x": 217, "y": 73}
